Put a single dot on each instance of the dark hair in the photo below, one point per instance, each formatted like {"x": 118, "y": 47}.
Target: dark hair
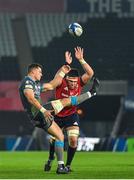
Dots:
{"x": 32, "y": 66}
{"x": 73, "y": 73}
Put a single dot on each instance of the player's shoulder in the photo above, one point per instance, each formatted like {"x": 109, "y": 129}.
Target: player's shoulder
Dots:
{"x": 28, "y": 80}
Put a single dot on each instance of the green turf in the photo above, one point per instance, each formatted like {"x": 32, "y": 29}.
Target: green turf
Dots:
{"x": 86, "y": 165}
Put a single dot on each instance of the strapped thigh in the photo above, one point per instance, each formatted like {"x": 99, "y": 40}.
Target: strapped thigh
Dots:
{"x": 73, "y": 132}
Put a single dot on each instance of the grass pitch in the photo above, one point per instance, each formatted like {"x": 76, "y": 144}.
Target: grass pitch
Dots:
{"x": 86, "y": 165}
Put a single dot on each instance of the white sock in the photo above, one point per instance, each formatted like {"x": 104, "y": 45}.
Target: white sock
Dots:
{"x": 60, "y": 162}
{"x": 89, "y": 94}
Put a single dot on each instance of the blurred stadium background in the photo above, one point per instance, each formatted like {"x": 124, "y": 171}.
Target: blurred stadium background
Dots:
{"x": 36, "y": 31}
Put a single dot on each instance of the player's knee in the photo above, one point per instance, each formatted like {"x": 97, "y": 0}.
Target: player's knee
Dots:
{"x": 73, "y": 142}
{"x": 73, "y": 137}
{"x": 60, "y": 136}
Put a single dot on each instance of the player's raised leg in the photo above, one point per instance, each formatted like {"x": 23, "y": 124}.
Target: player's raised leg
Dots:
{"x": 58, "y": 105}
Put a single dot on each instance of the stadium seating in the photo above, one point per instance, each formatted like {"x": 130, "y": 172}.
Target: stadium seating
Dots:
{"x": 7, "y": 42}
{"x": 43, "y": 28}
{"x": 9, "y": 68}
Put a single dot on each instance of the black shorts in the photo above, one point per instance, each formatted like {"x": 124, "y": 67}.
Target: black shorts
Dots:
{"x": 64, "y": 122}
{"x": 40, "y": 122}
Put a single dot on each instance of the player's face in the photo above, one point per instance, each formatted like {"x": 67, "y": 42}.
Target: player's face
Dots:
{"x": 37, "y": 73}
{"x": 72, "y": 82}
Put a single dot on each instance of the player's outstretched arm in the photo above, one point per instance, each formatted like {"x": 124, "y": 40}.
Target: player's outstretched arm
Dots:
{"x": 79, "y": 54}
{"x": 59, "y": 75}
{"x": 57, "y": 79}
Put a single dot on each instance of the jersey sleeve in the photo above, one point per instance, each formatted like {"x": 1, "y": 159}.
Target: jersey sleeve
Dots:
{"x": 28, "y": 85}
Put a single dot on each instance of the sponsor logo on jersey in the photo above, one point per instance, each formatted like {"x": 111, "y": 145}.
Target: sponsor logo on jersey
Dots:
{"x": 66, "y": 88}
{"x": 64, "y": 95}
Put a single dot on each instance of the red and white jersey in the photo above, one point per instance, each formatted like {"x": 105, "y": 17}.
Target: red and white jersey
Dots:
{"x": 63, "y": 91}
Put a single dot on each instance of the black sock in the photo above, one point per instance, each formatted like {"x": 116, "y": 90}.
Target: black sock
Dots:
{"x": 51, "y": 149}
{"x": 70, "y": 155}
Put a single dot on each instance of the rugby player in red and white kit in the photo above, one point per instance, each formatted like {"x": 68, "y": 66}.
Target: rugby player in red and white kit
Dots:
{"x": 68, "y": 118}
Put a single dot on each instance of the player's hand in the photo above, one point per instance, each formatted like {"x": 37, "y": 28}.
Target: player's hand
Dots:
{"x": 78, "y": 53}
{"x": 68, "y": 57}
{"x": 66, "y": 68}
{"x": 48, "y": 116}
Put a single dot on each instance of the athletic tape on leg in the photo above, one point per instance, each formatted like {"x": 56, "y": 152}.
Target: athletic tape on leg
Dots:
{"x": 74, "y": 100}
{"x": 73, "y": 132}
{"x": 57, "y": 105}
{"x": 59, "y": 143}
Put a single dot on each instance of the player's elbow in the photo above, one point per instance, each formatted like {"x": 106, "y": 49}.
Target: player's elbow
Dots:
{"x": 57, "y": 82}
{"x": 91, "y": 73}
{"x": 49, "y": 87}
